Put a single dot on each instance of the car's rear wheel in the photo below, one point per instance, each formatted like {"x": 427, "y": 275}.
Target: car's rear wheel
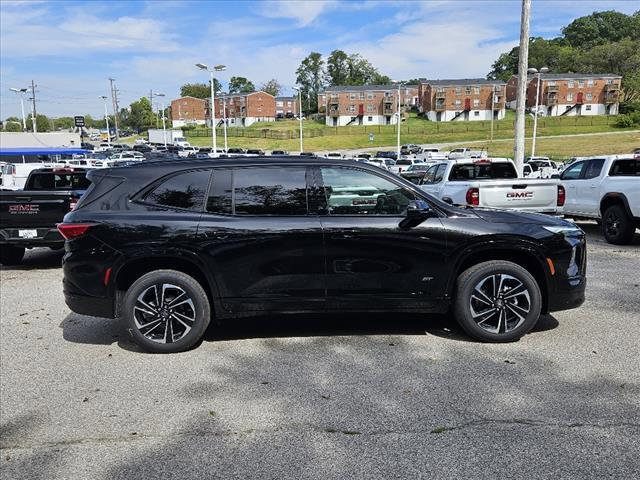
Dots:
{"x": 617, "y": 227}
{"x": 167, "y": 311}
{"x": 497, "y": 301}
{"x": 11, "y": 255}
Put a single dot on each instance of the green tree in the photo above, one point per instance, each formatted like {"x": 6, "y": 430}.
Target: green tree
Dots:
{"x": 200, "y": 90}
{"x": 272, "y": 87}
{"x": 65, "y": 122}
{"x": 337, "y": 68}
{"x": 42, "y": 123}
{"x": 13, "y": 124}
{"x": 141, "y": 115}
{"x": 241, "y": 85}
{"x": 310, "y": 76}
{"x": 600, "y": 28}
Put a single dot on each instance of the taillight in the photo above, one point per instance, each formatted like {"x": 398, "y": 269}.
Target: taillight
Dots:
{"x": 73, "y": 230}
{"x": 473, "y": 196}
{"x": 561, "y": 196}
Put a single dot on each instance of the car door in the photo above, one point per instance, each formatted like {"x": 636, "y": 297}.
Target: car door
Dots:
{"x": 261, "y": 245}
{"x": 370, "y": 261}
{"x": 570, "y": 178}
{"x": 587, "y": 194}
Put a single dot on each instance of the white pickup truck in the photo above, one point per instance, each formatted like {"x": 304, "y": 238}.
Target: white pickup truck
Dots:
{"x": 605, "y": 189}
{"x": 466, "y": 152}
{"x": 493, "y": 183}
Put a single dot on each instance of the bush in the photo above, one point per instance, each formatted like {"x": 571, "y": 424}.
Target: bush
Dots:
{"x": 630, "y": 107}
{"x": 629, "y": 120}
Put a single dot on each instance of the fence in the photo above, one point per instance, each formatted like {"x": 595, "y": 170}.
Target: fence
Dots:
{"x": 411, "y": 129}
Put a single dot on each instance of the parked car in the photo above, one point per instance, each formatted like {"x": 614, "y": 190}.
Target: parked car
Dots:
{"x": 28, "y": 217}
{"x": 541, "y": 167}
{"x": 141, "y": 141}
{"x": 103, "y": 147}
{"x": 127, "y": 155}
{"x": 466, "y": 152}
{"x": 492, "y": 183}
{"x": 307, "y": 154}
{"x": 403, "y": 164}
{"x": 364, "y": 156}
{"x": 433, "y": 153}
{"x": 187, "y": 151}
{"x": 337, "y": 155}
{"x": 87, "y": 146}
{"x": 410, "y": 149}
{"x": 279, "y": 152}
{"x": 387, "y": 154}
{"x": 235, "y": 151}
{"x": 241, "y": 236}
{"x": 255, "y": 153}
{"x": 416, "y": 172}
{"x": 605, "y": 189}
{"x": 143, "y": 148}
{"x": 13, "y": 176}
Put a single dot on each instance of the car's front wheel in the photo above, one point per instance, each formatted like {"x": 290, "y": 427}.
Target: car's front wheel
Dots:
{"x": 497, "y": 301}
{"x": 167, "y": 311}
{"x": 617, "y": 227}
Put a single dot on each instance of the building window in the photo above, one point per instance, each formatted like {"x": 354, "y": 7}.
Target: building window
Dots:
{"x": 352, "y": 96}
{"x": 551, "y": 83}
{"x": 589, "y": 96}
{"x": 440, "y": 90}
{"x": 458, "y": 103}
{"x": 279, "y": 104}
{"x": 352, "y": 108}
{"x": 369, "y": 95}
{"x": 580, "y": 83}
{"x": 569, "y": 97}
{"x": 476, "y": 102}
{"x": 458, "y": 90}
{"x": 369, "y": 119}
{"x": 609, "y": 81}
{"x": 476, "y": 90}
{"x": 467, "y": 90}
{"x": 590, "y": 82}
{"x": 369, "y": 108}
{"x": 588, "y": 107}
{"x": 361, "y": 95}
{"x": 476, "y": 113}
{"x": 570, "y": 84}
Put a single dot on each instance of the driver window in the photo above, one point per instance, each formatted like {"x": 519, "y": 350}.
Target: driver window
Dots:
{"x": 429, "y": 175}
{"x": 356, "y": 192}
{"x": 573, "y": 172}
{"x": 439, "y": 173}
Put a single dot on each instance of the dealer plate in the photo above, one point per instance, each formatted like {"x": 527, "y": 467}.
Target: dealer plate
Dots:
{"x": 27, "y": 233}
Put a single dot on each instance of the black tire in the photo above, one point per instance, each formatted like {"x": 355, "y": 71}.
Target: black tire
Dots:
{"x": 617, "y": 227}
{"x": 517, "y": 312}
{"x": 166, "y": 330}
{"x": 11, "y": 255}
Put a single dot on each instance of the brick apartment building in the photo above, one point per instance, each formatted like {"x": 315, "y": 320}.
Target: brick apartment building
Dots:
{"x": 462, "y": 99}
{"x": 189, "y": 111}
{"x": 570, "y": 93}
{"x": 245, "y": 109}
{"x": 286, "y": 105}
{"x": 364, "y": 104}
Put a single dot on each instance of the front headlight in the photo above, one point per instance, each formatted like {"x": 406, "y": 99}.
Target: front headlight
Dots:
{"x": 563, "y": 229}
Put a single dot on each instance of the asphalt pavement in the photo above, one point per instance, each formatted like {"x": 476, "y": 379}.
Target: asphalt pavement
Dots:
{"x": 347, "y": 396}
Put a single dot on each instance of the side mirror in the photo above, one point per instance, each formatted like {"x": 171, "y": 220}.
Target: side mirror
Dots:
{"x": 417, "y": 212}
{"x": 448, "y": 200}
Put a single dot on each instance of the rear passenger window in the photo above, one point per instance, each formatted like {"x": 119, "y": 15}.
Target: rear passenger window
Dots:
{"x": 593, "y": 168}
{"x": 627, "y": 167}
{"x": 185, "y": 190}
{"x": 270, "y": 191}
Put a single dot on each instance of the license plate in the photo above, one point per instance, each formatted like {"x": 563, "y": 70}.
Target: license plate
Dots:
{"x": 27, "y": 233}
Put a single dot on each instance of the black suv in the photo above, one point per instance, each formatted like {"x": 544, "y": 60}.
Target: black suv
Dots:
{"x": 169, "y": 245}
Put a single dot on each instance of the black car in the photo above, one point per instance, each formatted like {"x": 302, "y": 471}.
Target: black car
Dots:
{"x": 142, "y": 148}
{"x": 236, "y": 151}
{"x": 169, "y": 245}
{"x": 87, "y": 146}
{"x": 387, "y": 154}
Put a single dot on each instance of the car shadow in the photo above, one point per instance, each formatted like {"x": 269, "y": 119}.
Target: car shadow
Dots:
{"x": 99, "y": 331}
{"x": 37, "y": 259}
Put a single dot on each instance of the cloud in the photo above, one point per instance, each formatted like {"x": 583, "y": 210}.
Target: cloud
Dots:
{"x": 303, "y": 12}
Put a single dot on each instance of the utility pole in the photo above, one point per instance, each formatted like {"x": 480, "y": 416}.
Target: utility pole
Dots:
{"x": 114, "y": 100}
{"x": 34, "y": 114}
{"x": 493, "y": 99}
{"x": 521, "y": 99}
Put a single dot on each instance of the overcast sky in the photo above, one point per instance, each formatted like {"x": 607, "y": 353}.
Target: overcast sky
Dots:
{"x": 71, "y": 48}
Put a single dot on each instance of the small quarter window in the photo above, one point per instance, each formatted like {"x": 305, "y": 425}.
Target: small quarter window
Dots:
{"x": 185, "y": 190}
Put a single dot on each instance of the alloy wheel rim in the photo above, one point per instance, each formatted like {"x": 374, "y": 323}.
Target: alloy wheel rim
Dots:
{"x": 164, "y": 313}
{"x": 612, "y": 224}
{"x": 500, "y": 303}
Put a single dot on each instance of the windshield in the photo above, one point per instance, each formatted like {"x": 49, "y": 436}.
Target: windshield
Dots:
{"x": 59, "y": 181}
{"x": 482, "y": 171}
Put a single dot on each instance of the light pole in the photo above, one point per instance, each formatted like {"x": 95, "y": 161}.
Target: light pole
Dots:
{"x": 399, "y": 121}
{"x": 224, "y": 116}
{"x": 537, "y": 73}
{"x": 216, "y": 68}
{"x": 299, "y": 90}
{"x": 164, "y": 125}
{"x": 21, "y": 92}
{"x": 106, "y": 119}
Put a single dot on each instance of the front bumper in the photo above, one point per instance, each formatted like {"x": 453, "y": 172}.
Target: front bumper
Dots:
{"x": 571, "y": 296}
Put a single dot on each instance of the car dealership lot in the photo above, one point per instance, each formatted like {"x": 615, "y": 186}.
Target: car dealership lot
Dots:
{"x": 309, "y": 396}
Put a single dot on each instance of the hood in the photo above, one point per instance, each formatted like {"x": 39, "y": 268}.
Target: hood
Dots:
{"x": 514, "y": 216}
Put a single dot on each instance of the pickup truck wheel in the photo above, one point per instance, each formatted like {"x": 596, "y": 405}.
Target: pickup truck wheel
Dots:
{"x": 497, "y": 301}
{"x": 166, "y": 311}
{"x": 617, "y": 227}
{"x": 11, "y": 255}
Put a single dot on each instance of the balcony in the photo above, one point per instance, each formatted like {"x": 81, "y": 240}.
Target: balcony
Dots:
{"x": 440, "y": 94}
{"x": 552, "y": 99}
{"x": 611, "y": 87}
{"x": 552, "y": 89}
{"x": 440, "y": 106}
{"x": 334, "y": 110}
{"x": 611, "y": 97}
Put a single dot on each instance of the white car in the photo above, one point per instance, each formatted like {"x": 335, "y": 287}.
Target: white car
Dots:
{"x": 128, "y": 155}
{"x": 605, "y": 189}
{"x": 465, "y": 152}
{"x": 541, "y": 167}
{"x": 187, "y": 150}
{"x": 141, "y": 141}
{"x": 103, "y": 147}
{"x": 492, "y": 183}
{"x": 333, "y": 155}
{"x": 403, "y": 163}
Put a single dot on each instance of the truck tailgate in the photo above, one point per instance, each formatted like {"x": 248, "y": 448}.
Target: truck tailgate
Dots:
{"x": 533, "y": 195}
{"x": 33, "y": 208}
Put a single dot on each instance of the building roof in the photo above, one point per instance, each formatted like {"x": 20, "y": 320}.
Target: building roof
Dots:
{"x": 463, "y": 82}
{"x": 359, "y": 88}
{"x": 573, "y": 76}
{"x": 245, "y": 94}
{"x": 189, "y": 96}
{"x": 286, "y": 98}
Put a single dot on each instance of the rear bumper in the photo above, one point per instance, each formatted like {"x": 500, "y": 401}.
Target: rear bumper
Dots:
{"x": 45, "y": 237}
{"x": 80, "y": 302}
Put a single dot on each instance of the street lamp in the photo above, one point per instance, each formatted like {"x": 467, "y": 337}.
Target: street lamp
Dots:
{"x": 21, "y": 92}
{"x": 216, "y": 68}
{"x": 399, "y": 120}
{"x": 538, "y": 73}
{"x": 299, "y": 90}
{"x": 164, "y": 125}
{"x": 106, "y": 119}
{"x": 224, "y": 116}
